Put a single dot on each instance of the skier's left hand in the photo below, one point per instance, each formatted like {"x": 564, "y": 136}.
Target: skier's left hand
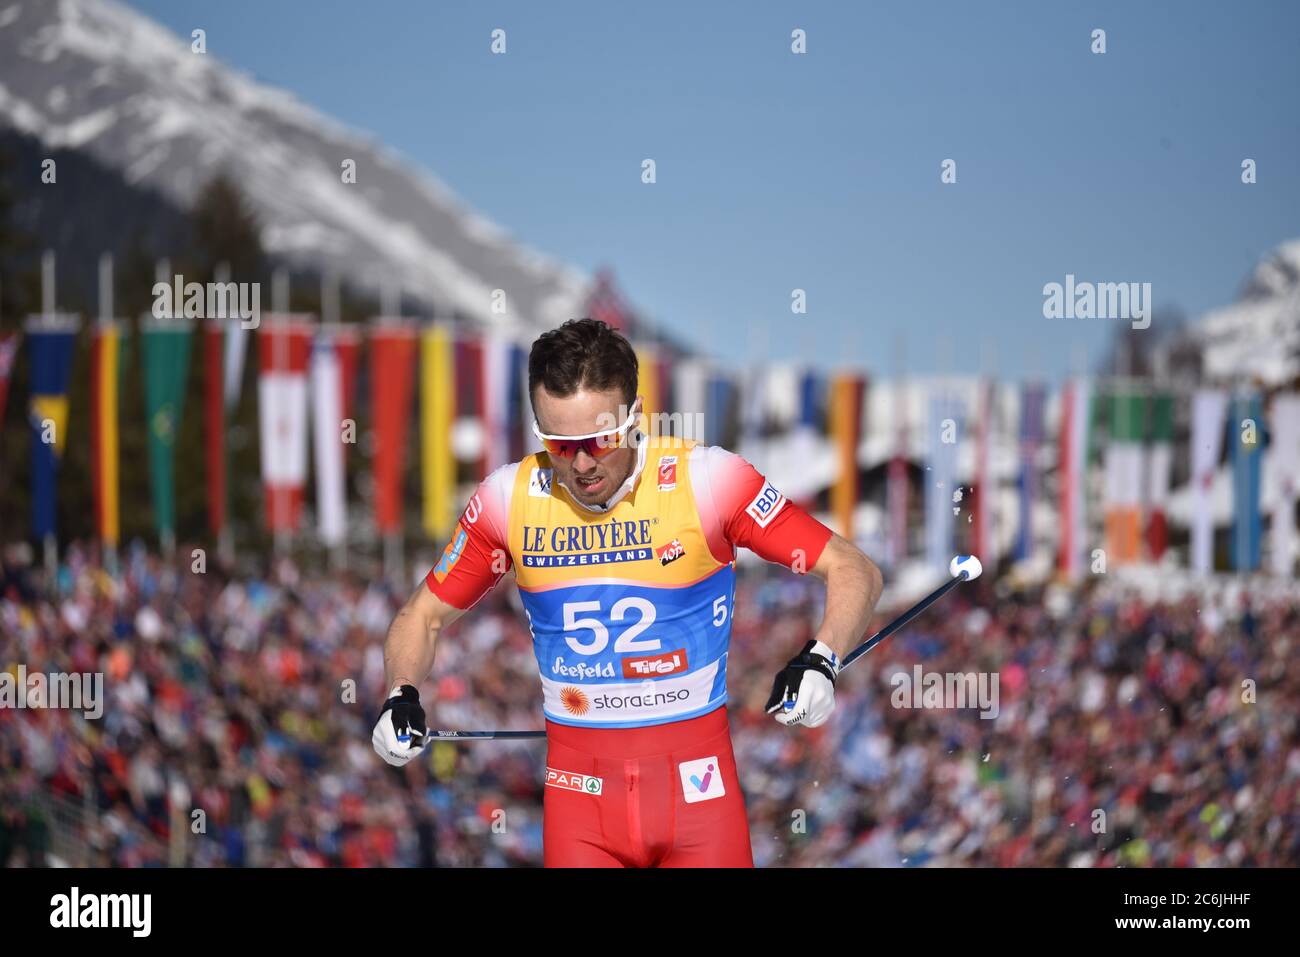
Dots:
{"x": 804, "y": 690}
{"x": 401, "y": 732}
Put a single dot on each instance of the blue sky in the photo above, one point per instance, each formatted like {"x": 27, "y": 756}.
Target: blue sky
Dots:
{"x": 822, "y": 171}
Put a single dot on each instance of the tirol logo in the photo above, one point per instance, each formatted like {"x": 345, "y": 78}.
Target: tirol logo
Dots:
{"x": 573, "y": 781}
{"x": 574, "y": 701}
{"x": 667, "y": 473}
{"x": 766, "y": 504}
{"x": 701, "y": 780}
{"x": 670, "y": 552}
{"x": 539, "y": 483}
{"x": 654, "y": 666}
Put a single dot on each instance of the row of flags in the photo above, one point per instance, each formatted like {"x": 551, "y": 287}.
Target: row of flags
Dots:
{"x": 1137, "y": 470}
{"x": 983, "y": 460}
{"x": 307, "y": 377}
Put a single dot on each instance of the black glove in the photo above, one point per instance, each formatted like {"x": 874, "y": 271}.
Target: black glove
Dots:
{"x": 401, "y": 732}
{"x": 801, "y": 684}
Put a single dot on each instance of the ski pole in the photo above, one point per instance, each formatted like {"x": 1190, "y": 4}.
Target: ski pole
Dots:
{"x": 963, "y": 568}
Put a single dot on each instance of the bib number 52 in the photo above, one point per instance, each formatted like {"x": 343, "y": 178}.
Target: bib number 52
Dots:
{"x": 626, "y": 642}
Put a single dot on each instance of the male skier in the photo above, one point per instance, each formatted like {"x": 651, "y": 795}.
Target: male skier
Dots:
{"x": 624, "y": 555}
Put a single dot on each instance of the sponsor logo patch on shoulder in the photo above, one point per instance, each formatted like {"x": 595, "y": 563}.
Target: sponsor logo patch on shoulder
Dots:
{"x": 766, "y": 504}
{"x": 667, "y": 473}
{"x": 451, "y": 554}
{"x": 539, "y": 483}
{"x": 573, "y": 781}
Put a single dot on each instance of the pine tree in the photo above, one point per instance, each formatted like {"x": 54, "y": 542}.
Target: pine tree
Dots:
{"x": 226, "y": 230}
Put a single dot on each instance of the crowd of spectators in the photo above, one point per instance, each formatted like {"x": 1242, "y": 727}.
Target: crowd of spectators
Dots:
{"x": 237, "y": 718}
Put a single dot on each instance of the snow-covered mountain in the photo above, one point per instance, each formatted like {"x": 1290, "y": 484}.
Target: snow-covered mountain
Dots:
{"x": 1257, "y": 337}
{"x": 99, "y": 77}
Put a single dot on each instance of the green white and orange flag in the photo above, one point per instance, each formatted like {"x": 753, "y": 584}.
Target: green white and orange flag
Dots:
{"x": 1124, "y": 471}
{"x": 105, "y": 381}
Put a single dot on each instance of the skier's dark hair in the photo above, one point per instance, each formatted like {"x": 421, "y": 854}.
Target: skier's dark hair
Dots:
{"x": 583, "y": 354}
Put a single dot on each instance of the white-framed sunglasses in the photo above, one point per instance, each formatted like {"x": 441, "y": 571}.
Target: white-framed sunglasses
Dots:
{"x": 595, "y": 444}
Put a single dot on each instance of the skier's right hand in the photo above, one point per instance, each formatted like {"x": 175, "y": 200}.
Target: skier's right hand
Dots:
{"x": 401, "y": 733}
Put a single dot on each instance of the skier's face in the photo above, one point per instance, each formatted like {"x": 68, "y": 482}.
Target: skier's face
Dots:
{"x": 591, "y": 469}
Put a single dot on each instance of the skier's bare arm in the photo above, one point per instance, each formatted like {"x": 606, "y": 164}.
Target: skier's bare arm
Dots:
{"x": 853, "y": 586}
{"x": 413, "y": 635}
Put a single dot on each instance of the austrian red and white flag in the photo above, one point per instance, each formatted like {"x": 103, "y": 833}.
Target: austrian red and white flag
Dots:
{"x": 283, "y": 347}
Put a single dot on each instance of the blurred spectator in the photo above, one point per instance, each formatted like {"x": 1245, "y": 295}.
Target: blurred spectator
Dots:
{"x": 252, "y": 701}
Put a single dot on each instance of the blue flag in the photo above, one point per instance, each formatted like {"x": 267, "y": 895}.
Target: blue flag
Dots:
{"x": 1246, "y": 436}
{"x": 720, "y": 397}
{"x": 50, "y": 343}
{"x": 810, "y": 399}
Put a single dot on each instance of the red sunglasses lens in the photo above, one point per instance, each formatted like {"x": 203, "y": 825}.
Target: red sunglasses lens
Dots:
{"x": 597, "y": 447}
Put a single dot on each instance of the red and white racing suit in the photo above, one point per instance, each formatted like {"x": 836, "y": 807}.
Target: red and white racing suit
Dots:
{"x": 630, "y": 609}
